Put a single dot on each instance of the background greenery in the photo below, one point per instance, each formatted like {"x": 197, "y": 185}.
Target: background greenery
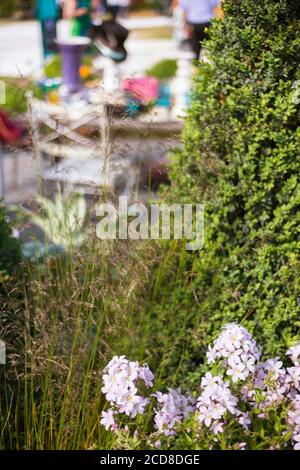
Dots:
{"x": 15, "y": 98}
{"x": 26, "y": 7}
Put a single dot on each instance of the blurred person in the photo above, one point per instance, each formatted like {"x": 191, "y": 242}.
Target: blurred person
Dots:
{"x": 198, "y": 17}
{"x": 117, "y": 7}
{"x": 80, "y": 12}
{"x": 179, "y": 31}
{"x": 47, "y": 12}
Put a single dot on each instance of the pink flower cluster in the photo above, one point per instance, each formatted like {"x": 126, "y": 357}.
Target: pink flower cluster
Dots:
{"x": 271, "y": 380}
{"x": 258, "y": 386}
{"x": 238, "y": 350}
{"x": 214, "y": 402}
{"x": 121, "y": 379}
{"x": 274, "y": 382}
{"x": 172, "y": 409}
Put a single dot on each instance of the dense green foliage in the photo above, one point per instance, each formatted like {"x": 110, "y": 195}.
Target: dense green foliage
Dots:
{"x": 242, "y": 159}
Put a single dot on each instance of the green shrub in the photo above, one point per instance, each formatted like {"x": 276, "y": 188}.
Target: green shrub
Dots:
{"x": 15, "y": 99}
{"x": 241, "y": 158}
{"x": 163, "y": 70}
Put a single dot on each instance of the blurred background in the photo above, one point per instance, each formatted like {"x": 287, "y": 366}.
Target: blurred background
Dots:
{"x": 24, "y": 9}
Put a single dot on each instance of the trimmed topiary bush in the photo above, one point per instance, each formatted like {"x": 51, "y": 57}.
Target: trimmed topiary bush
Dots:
{"x": 242, "y": 159}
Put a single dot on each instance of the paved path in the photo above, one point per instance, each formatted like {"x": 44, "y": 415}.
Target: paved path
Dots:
{"x": 21, "y": 51}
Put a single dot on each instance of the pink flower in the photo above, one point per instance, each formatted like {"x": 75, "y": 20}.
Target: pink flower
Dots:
{"x": 120, "y": 385}
{"x": 107, "y": 419}
{"x": 296, "y": 438}
{"x": 146, "y": 375}
{"x": 172, "y": 408}
{"x": 238, "y": 372}
{"x": 294, "y": 376}
{"x": 242, "y": 445}
{"x": 209, "y": 380}
{"x": 211, "y": 355}
{"x": 217, "y": 410}
{"x": 274, "y": 368}
{"x": 238, "y": 349}
{"x": 217, "y": 427}
{"x": 205, "y": 415}
{"x": 158, "y": 444}
{"x": 214, "y": 402}
{"x": 294, "y": 354}
{"x": 293, "y": 420}
{"x": 244, "y": 420}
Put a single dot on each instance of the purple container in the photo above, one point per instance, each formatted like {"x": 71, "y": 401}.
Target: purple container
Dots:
{"x": 71, "y": 50}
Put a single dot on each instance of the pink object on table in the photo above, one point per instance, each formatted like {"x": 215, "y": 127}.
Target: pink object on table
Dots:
{"x": 10, "y": 131}
{"x": 145, "y": 89}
